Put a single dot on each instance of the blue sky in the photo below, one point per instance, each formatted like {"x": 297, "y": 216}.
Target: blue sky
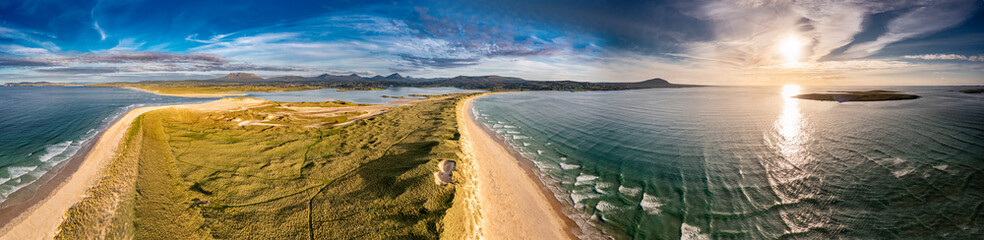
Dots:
{"x": 753, "y": 42}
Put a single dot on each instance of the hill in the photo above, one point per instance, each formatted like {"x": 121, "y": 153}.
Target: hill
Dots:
{"x": 246, "y": 82}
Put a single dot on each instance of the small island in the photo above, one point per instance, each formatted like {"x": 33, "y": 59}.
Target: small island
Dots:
{"x": 976, "y": 90}
{"x": 857, "y": 96}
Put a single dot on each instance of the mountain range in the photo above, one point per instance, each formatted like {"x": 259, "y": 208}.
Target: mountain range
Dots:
{"x": 491, "y": 82}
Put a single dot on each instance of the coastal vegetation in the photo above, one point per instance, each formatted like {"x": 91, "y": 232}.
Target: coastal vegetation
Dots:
{"x": 186, "y": 173}
{"x": 244, "y": 82}
{"x": 976, "y": 90}
{"x": 857, "y": 96}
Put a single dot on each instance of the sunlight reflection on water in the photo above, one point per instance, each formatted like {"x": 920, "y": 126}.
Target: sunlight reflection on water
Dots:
{"x": 789, "y": 175}
{"x": 790, "y": 127}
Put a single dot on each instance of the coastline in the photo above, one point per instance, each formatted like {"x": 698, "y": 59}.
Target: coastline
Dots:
{"x": 513, "y": 202}
{"x": 191, "y": 95}
{"x": 40, "y": 216}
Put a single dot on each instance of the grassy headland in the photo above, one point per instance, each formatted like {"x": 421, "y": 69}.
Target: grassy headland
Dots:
{"x": 852, "y": 96}
{"x": 186, "y": 173}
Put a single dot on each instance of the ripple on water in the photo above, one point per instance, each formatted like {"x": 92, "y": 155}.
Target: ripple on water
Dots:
{"x": 722, "y": 166}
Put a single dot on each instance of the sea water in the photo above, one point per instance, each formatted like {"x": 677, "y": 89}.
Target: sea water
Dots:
{"x": 357, "y": 96}
{"x": 42, "y": 127}
{"x": 754, "y": 163}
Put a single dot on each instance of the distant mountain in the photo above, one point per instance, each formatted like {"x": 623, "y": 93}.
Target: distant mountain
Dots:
{"x": 39, "y": 84}
{"x": 239, "y": 76}
{"x": 491, "y": 82}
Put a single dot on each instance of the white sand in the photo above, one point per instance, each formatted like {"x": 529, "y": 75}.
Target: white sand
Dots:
{"x": 512, "y": 203}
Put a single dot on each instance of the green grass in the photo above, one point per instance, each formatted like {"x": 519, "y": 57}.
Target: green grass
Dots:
{"x": 372, "y": 179}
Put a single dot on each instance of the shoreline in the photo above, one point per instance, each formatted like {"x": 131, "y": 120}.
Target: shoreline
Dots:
{"x": 191, "y": 95}
{"x": 40, "y": 216}
{"x": 519, "y": 205}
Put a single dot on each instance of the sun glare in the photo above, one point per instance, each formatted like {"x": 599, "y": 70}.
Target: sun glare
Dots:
{"x": 790, "y": 48}
{"x": 790, "y": 90}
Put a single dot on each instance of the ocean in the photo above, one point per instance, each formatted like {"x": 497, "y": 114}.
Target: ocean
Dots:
{"x": 43, "y": 127}
{"x": 753, "y": 163}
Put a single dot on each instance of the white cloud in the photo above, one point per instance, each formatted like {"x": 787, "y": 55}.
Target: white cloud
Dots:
{"x": 978, "y": 58}
{"x": 102, "y": 34}
{"x": 214, "y": 39}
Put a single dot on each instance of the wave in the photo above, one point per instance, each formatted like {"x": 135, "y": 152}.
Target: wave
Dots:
{"x": 54, "y": 150}
{"x": 651, "y": 204}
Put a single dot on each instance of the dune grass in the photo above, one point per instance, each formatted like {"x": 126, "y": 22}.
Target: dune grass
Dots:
{"x": 199, "y": 176}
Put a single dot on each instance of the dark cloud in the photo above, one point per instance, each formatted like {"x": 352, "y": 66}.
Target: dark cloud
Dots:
{"x": 82, "y": 70}
{"x": 168, "y": 68}
{"x": 251, "y": 67}
{"x": 417, "y": 62}
{"x": 522, "y": 52}
{"x": 481, "y": 35}
{"x": 139, "y": 62}
{"x": 152, "y": 57}
{"x": 22, "y": 62}
{"x": 643, "y": 26}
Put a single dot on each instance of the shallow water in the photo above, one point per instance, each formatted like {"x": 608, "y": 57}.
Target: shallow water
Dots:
{"x": 752, "y": 163}
{"x": 42, "y": 127}
{"x": 367, "y": 97}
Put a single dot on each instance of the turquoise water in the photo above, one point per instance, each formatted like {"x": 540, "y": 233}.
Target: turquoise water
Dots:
{"x": 368, "y": 97}
{"x": 42, "y": 127}
{"x": 751, "y": 163}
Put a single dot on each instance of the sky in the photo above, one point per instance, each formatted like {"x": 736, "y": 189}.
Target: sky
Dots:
{"x": 728, "y": 42}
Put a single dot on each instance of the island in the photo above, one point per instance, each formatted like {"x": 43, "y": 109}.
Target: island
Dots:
{"x": 857, "y": 96}
{"x": 976, "y": 90}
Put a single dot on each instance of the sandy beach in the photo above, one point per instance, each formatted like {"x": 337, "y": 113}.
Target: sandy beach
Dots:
{"x": 191, "y": 95}
{"x": 40, "y": 218}
{"x": 513, "y": 203}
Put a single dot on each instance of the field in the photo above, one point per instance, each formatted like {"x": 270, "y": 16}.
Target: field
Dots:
{"x": 187, "y": 174}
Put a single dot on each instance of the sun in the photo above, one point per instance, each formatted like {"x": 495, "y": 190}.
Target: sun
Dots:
{"x": 790, "y": 48}
{"x": 790, "y": 90}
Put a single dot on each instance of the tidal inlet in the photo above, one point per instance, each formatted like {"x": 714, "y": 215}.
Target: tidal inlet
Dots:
{"x": 543, "y": 119}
